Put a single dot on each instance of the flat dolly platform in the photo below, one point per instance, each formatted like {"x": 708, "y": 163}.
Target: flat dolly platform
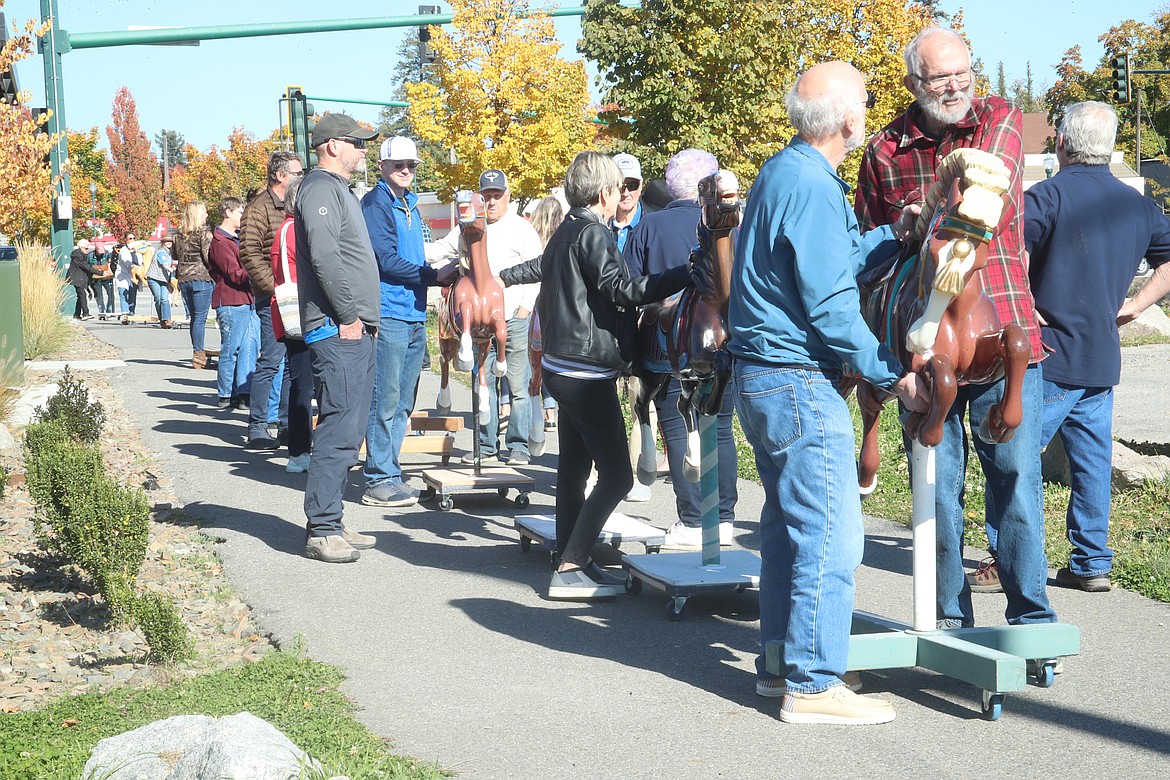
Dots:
{"x": 682, "y": 575}
{"x": 446, "y": 482}
{"x": 619, "y": 528}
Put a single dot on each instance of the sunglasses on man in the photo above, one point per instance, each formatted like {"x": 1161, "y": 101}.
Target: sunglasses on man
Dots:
{"x": 400, "y": 165}
{"x": 358, "y": 143}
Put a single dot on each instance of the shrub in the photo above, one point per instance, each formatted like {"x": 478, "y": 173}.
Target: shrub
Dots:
{"x": 42, "y": 295}
{"x": 59, "y": 473}
{"x": 71, "y": 404}
{"x": 3, "y": 481}
{"x": 160, "y": 622}
{"x": 106, "y": 535}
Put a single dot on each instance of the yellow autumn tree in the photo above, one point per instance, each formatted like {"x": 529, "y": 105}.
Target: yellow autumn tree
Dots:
{"x": 213, "y": 175}
{"x": 504, "y": 98}
{"x": 26, "y": 186}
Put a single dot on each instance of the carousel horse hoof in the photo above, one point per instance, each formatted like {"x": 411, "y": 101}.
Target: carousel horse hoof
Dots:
{"x": 463, "y": 364}
{"x": 647, "y": 476}
{"x": 535, "y": 447}
{"x": 867, "y": 490}
{"x": 500, "y": 368}
{"x": 691, "y": 471}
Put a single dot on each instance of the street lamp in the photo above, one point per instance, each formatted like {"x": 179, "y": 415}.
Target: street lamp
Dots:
{"x": 1049, "y": 165}
{"x": 93, "y": 204}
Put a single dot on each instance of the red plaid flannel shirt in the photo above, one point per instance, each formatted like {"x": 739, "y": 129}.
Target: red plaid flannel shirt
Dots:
{"x": 899, "y": 167}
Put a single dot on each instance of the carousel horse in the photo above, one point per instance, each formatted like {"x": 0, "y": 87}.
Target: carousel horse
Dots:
{"x": 472, "y": 310}
{"x": 931, "y": 311}
{"x": 686, "y": 335}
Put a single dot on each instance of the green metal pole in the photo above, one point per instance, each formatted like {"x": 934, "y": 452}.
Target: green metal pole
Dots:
{"x": 222, "y": 32}
{"x": 391, "y": 103}
{"x": 62, "y": 223}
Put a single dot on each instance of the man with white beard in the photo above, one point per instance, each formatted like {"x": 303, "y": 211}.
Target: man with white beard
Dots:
{"x": 898, "y": 169}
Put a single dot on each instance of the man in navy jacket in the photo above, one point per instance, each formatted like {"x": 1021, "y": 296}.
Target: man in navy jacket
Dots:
{"x": 1086, "y": 233}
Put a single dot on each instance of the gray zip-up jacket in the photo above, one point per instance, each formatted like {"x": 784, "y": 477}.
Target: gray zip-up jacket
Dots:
{"x": 337, "y": 275}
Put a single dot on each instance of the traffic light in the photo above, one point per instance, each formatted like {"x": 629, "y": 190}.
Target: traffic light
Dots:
{"x": 301, "y": 121}
{"x": 426, "y": 55}
{"x": 1119, "y": 79}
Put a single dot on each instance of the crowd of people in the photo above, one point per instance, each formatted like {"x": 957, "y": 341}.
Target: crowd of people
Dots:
{"x": 1059, "y": 267}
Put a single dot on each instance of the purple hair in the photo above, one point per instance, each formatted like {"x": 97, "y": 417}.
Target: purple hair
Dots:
{"x": 685, "y": 170}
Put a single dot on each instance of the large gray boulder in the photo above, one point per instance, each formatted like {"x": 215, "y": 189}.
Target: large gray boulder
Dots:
{"x": 193, "y": 747}
{"x": 1151, "y": 322}
{"x": 1130, "y": 469}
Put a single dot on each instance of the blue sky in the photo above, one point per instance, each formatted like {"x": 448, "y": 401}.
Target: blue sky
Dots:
{"x": 204, "y": 91}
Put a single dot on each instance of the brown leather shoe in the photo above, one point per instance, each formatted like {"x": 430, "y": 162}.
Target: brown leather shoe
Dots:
{"x": 331, "y": 549}
{"x": 199, "y": 359}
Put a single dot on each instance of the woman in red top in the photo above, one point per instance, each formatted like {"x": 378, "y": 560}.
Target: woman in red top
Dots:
{"x": 300, "y": 370}
{"x": 239, "y": 327}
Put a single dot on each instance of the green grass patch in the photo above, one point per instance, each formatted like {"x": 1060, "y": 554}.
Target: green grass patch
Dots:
{"x": 1144, "y": 340}
{"x": 298, "y": 696}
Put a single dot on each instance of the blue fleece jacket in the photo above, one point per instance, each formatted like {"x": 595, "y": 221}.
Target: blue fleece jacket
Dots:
{"x": 396, "y": 233}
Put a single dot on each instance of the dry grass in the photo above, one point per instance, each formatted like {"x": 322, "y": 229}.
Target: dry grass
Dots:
{"x": 42, "y": 294}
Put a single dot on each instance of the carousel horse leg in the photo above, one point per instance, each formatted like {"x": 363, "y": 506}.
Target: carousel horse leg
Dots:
{"x": 642, "y": 390}
{"x": 870, "y": 459}
{"x": 1005, "y": 416}
{"x": 443, "y": 402}
{"x": 501, "y": 366}
{"x": 692, "y": 462}
{"x": 481, "y": 378}
{"x": 928, "y": 429}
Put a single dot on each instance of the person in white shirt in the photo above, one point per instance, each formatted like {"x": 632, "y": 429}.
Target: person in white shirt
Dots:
{"x": 511, "y": 240}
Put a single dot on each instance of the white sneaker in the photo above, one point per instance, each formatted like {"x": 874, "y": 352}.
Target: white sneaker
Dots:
{"x": 298, "y": 464}
{"x": 838, "y": 705}
{"x": 726, "y": 534}
{"x": 574, "y": 585}
{"x": 683, "y": 537}
{"x": 638, "y": 494}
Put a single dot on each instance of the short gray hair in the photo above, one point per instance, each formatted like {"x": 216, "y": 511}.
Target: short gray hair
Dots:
{"x": 914, "y": 59}
{"x": 685, "y": 170}
{"x": 817, "y": 118}
{"x": 290, "y": 195}
{"x": 588, "y": 175}
{"x": 1090, "y": 131}
{"x": 278, "y": 163}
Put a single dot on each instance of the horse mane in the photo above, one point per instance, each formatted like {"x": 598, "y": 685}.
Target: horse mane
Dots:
{"x": 986, "y": 177}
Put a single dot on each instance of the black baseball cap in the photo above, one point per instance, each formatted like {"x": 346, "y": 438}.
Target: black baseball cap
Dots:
{"x": 333, "y": 126}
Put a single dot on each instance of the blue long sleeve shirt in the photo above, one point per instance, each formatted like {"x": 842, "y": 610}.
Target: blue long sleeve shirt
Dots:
{"x": 664, "y": 239}
{"x": 396, "y": 234}
{"x": 1086, "y": 232}
{"x": 794, "y": 298}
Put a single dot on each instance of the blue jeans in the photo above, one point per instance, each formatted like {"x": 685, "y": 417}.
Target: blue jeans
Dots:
{"x": 103, "y": 292}
{"x": 811, "y": 533}
{"x": 267, "y": 365}
{"x": 1015, "y": 505}
{"x": 129, "y": 298}
{"x": 518, "y": 374}
{"x": 162, "y": 298}
{"x": 239, "y": 344}
{"x": 1083, "y": 416}
{"x": 197, "y": 298}
{"x": 674, "y": 435}
{"x": 398, "y": 363}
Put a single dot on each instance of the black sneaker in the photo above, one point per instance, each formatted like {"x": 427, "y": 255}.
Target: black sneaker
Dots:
{"x": 1090, "y": 583}
{"x": 224, "y": 403}
{"x": 244, "y": 402}
{"x": 518, "y": 458}
{"x": 262, "y": 443}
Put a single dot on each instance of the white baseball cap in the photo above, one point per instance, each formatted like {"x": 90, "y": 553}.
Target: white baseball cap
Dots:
{"x": 630, "y": 166}
{"x": 398, "y": 148}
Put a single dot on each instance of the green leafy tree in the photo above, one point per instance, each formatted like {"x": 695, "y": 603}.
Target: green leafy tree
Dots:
{"x": 173, "y": 142}
{"x": 395, "y": 120}
{"x": 713, "y": 74}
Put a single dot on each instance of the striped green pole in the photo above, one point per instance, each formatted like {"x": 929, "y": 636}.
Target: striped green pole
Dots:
{"x": 709, "y": 487}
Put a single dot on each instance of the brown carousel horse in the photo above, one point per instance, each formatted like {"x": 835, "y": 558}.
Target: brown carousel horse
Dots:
{"x": 931, "y": 311}
{"x": 536, "y": 438}
{"x": 686, "y": 335}
{"x": 472, "y": 310}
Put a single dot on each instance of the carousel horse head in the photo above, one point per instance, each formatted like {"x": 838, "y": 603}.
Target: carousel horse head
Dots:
{"x": 719, "y": 201}
{"x": 472, "y": 213}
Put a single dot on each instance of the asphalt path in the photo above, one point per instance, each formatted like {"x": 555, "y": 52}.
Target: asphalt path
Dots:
{"x": 453, "y": 652}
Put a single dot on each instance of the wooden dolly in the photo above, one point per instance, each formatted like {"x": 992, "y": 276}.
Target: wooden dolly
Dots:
{"x": 442, "y": 444}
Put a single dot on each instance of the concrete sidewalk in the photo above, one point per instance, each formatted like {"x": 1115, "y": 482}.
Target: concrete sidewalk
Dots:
{"x": 453, "y": 652}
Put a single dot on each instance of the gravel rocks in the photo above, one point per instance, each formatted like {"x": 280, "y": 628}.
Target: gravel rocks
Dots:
{"x": 55, "y": 634}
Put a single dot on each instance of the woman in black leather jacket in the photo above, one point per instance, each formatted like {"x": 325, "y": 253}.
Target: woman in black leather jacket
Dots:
{"x": 587, "y": 307}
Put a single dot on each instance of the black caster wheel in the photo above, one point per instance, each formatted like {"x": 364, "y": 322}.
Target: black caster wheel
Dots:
{"x": 446, "y": 503}
{"x": 446, "y": 459}
{"x": 633, "y": 585}
{"x": 525, "y": 544}
{"x": 427, "y": 495}
{"x": 675, "y": 609}
{"x": 992, "y": 705}
{"x": 503, "y": 492}
{"x": 522, "y": 500}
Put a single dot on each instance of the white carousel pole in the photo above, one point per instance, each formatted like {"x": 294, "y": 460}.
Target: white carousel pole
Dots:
{"x": 925, "y": 541}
